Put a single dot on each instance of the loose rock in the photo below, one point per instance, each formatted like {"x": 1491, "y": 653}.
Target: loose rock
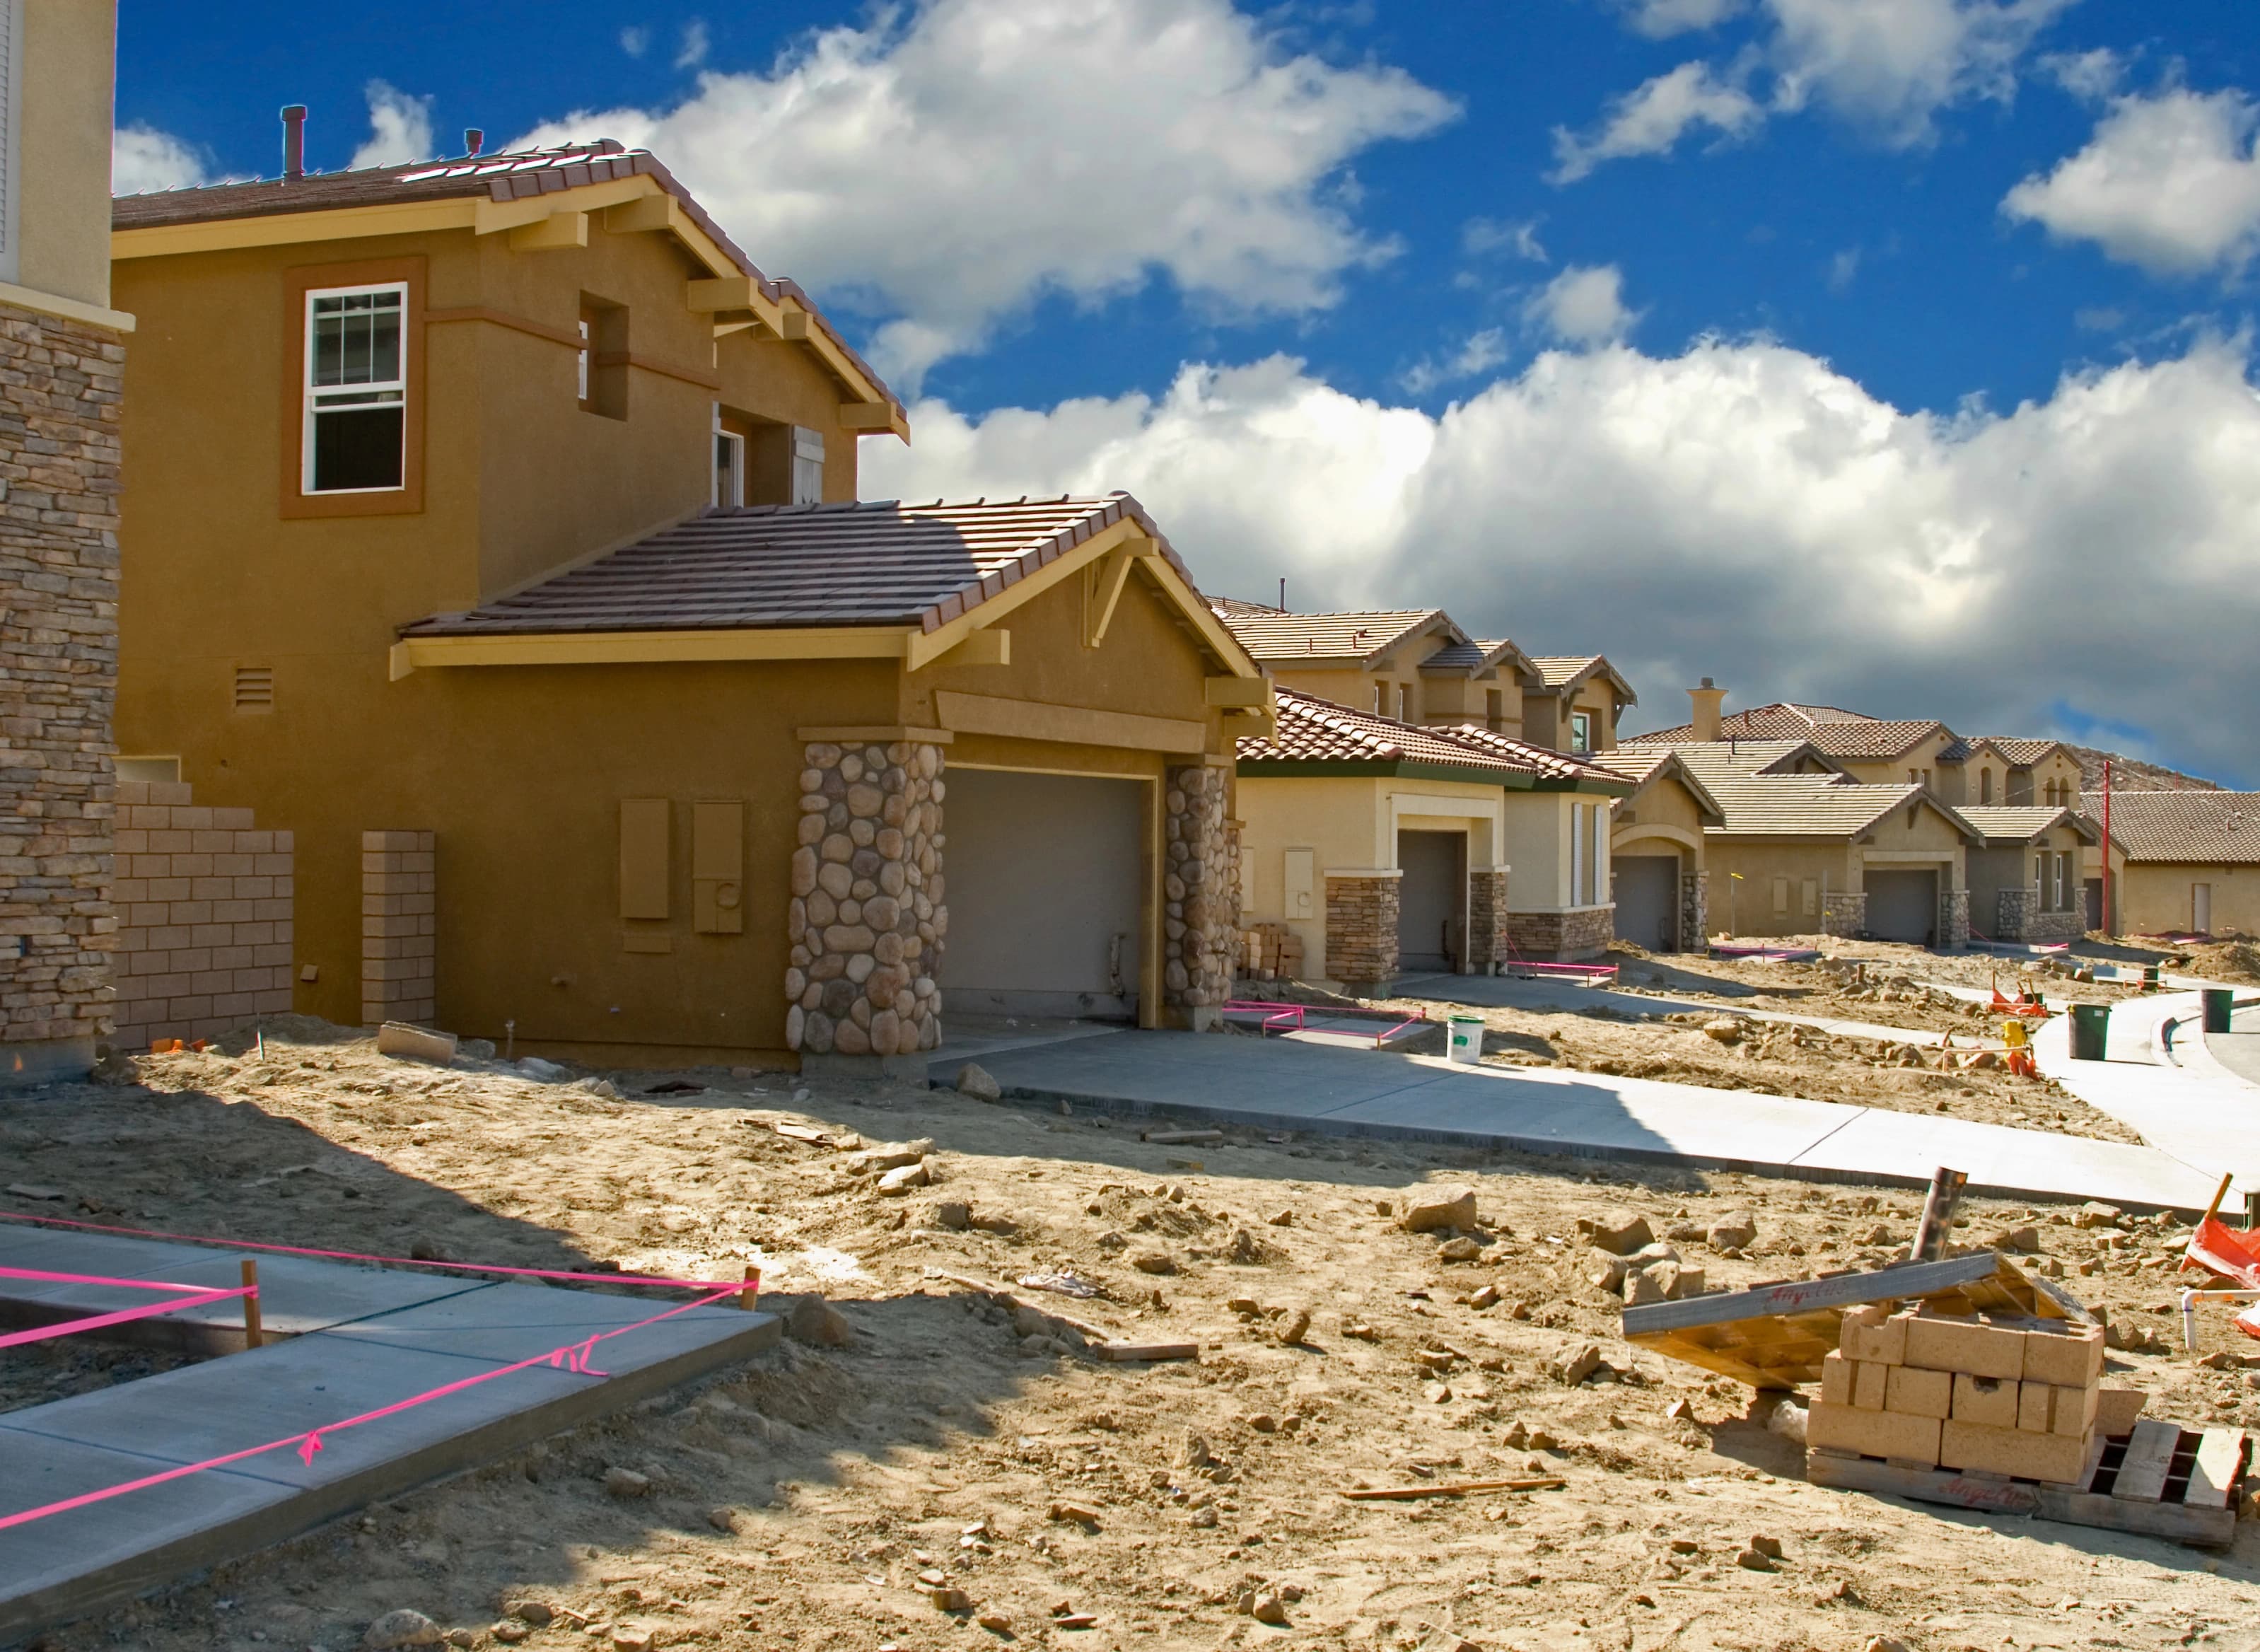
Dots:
{"x": 818, "y": 1323}
{"x": 403, "y": 1628}
{"x": 1620, "y": 1231}
{"x": 1428, "y": 1209}
{"x": 972, "y": 1080}
{"x": 624, "y": 1483}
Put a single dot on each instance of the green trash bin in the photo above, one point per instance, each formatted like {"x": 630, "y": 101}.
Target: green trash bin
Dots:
{"x": 2091, "y": 1028}
{"x": 2220, "y": 1002}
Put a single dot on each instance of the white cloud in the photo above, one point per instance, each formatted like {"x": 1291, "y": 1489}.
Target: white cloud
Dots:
{"x": 1478, "y": 353}
{"x": 2099, "y": 318}
{"x": 1842, "y": 268}
{"x": 952, "y": 163}
{"x": 1652, "y": 118}
{"x": 1890, "y": 66}
{"x": 1659, "y": 19}
{"x": 2170, "y": 183}
{"x": 142, "y": 160}
{"x": 696, "y": 44}
{"x": 635, "y": 40}
{"x": 1749, "y": 512}
{"x": 1583, "y": 305}
{"x": 399, "y": 128}
{"x": 1517, "y": 237}
{"x": 2091, "y": 75}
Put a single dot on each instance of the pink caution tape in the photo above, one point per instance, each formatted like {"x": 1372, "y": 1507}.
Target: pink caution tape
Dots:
{"x": 573, "y": 1356}
{"x": 45, "y": 1276}
{"x": 354, "y": 1255}
{"x": 47, "y": 1332}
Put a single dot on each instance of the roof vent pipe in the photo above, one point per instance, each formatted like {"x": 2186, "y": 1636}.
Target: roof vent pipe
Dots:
{"x": 294, "y": 142}
{"x": 1707, "y": 700}
{"x": 474, "y": 141}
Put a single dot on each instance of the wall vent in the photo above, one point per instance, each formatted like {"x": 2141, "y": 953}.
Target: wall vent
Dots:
{"x": 254, "y": 688}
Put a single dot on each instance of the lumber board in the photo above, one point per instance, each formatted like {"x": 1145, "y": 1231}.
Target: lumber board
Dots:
{"x": 1807, "y": 1296}
{"x": 2149, "y": 1455}
{"x": 1457, "y": 1488}
{"x": 2096, "y": 1446}
{"x": 2213, "y": 1477}
{"x": 1179, "y": 1138}
{"x": 1921, "y": 1485}
{"x": 1126, "y": 1353}
{"x": 2176, "y": 1523}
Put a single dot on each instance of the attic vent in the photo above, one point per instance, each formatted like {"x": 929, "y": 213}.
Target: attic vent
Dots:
{"x": 254, "y": 688}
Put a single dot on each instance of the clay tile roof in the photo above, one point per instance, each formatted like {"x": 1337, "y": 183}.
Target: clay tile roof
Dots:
{"x": 2217, "y": 828}
{"x": 1280, "y": 638}
{"x": 506, "y": 176}
{"x": 2022, "y": 823}
{"x": 1805, "y": 805}
{"x": 1643, "y": 765}
{"x": 1313, "y": 730}
{"x": 877, "y": 563}
{"x": 2023, "y": 753}
{"x": 1843, "y": 734}
{"x": 1713, "y": 761}
{"x": 1563, "y": 673}
{"x": 1472, "y": 658}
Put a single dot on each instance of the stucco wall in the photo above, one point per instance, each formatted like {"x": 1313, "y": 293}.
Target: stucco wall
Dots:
{"x": 62, "y": 221}
{"x": 2154, "y": 898}
{"x": 1746, "y": 908}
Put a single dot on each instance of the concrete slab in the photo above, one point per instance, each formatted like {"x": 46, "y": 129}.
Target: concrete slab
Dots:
{"x": 506, "y": 1323}
{"x": 2209, "y": 1124}
{"x": 2238, "y": 1050}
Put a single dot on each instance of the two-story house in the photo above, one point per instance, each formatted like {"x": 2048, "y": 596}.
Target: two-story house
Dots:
{"x": 496, "y": 533}
{"x": 61, "y": 365}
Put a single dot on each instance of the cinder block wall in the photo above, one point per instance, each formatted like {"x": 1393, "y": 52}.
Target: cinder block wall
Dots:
{"x": 399, "y": 926}
{"x": 204, "y": 900}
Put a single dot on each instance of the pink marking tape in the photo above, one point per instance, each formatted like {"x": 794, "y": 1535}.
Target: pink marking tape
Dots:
{"x": 354, "y": 1255}
{"x": 573, "y": 1356}
{"x": 48, "y": 1333}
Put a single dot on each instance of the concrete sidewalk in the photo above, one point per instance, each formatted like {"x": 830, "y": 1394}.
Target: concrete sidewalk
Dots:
{"x": 2201, "y": 1113}
{"x": 1271, "y": 1083}
{"x": 361, "y": 1339}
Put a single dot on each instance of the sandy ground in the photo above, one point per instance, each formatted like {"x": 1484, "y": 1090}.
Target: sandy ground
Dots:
{"x": 799, "y": 1501}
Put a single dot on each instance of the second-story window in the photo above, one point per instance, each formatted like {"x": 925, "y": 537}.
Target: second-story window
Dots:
{"x": 588, "y": 330}
{"x": 356, "y": 399}
{"x": 1580, "y": 731}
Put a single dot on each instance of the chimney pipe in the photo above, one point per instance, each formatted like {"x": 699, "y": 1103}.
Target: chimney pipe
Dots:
{"x": 474, "y": 141}
{"x": 1707, "y": 700}
{"x": 294, "y": 142}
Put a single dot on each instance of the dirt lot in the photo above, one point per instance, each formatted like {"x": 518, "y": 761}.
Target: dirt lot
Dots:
{"x": 799, "y": 1499}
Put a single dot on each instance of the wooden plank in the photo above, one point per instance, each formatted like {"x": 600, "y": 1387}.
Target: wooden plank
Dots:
{"x": 1806, "y": 1296}
{"x": 2096, "y": 1446}
{"x": 2149, "y": 1453}
{"x": 1921, "y": 1485}
{"x": 2213, "y": 1477}
{"x": 1179, "y": 1138}
{"x": 1710, "y": 1360}
{"x": 2203, "y": 1527}
{"x": 1457, "y": 1488}
{"x": 1125, "y": 1353}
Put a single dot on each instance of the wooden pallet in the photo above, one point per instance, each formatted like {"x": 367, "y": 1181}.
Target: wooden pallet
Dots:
{"x": 2162, "y": 1480}
{"x": 1774, "y": 1336}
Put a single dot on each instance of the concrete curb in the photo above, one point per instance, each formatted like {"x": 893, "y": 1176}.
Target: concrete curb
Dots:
{"x": 2197, "y": 1055}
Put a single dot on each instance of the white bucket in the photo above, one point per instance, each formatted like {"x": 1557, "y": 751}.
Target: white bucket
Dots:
{"x": 1465, "y": 1038}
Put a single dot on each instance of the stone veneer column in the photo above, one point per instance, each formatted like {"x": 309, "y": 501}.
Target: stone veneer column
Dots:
{"x": 868, "y": 920}
{"x": 60, "y": 384}
{"x": 1954, "y": 919}
{"x": 399, "y": 926}
{"x": 1487, "y": 929}
{"x": 1581, "y": 932}
{"x": 1694, "y": 911}
{"x": 1361, "y": 931}
{"x": 1200, "y": 927}
{"x": 2013, "y": 912}
{"x": 1843, "y": 913}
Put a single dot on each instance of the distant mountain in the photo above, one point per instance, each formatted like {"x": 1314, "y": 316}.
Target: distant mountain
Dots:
{"x": 2131, "y": 773}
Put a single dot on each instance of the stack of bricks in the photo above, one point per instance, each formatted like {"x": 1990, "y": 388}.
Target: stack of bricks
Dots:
{"x": 399, "y": 926}
{"x": 205, "y": 900}
{"x": 1271, "y": 951}
{"x": 1930, "y": 1390}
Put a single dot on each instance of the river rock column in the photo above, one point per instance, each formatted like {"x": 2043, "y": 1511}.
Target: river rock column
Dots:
{"x": 867, "y": 921}
{"x": 1200, "y": 915}
{"x": 1694, "y": 911}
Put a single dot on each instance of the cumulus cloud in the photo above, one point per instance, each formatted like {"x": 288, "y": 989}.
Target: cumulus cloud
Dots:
{"x": 696, "y": 44}
{"x": 1583, "y": 305}
{"x": 2170, "y": 183}
{"x": 947, "y": 165}
{"x": 2091, "y": 75}
{"x": 1515, "y": 238}
{"x": 1659, "y": 19}
{"x": 1652, "y": 118}
{"x": 142, "y": 158}
{"x": 1884, "y": 66}
{"x": 399, "y": 128}
{"x": 1843, "y": 268}
{"x": 635, "y": 40}
{"x": 1739, "y": 510}
{"x": 1478, "y": 353}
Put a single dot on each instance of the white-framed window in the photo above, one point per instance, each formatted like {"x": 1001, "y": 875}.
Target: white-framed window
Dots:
{"x": 807, "y": 466}
{"x": 1404, "y": 702}
{"x": 1381, "y": 699}
{"x": 581, "y": 359}
{"x": 356, "y": 391}
{"x": 1580, "y": 731}
{"x": 1578, "y": 872}
{"x": 729, "y": 465}
{"x": 1599, "y": 817}
{"x": 2064, "y": 881}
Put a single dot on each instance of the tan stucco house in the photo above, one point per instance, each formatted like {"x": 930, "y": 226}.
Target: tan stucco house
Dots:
{"x": 1659, "y": 877}
{"x": 2028, "y": 882}
{"x": 1393, "y": 849}
{"x": 2181, "y": 864}
{"x": 505, "y": 500}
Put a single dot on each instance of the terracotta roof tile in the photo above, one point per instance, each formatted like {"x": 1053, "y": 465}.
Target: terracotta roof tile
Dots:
{"x": 1556, "y": 765}
{"x": 1840, "y": 737}
{"x": 1313, "y": 730}
{"x": 508, "y": 176}
{"x": 2023, "y": 752}
{"x": 2022, "y": 823}
{"x": 1475, "y": 656}
{"x": 879, "y": 563}
{"x": 1281, "y": 638}
{"x": 2215, "y": 828}
{"x": 1562, "y": 673}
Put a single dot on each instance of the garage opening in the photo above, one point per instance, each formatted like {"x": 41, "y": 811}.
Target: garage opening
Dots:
{"x": 1647, "y": 900}
{"x": 1432, "y": 901}
{"x": 1903, "y": 906}
{"x": 1041, "y": 876}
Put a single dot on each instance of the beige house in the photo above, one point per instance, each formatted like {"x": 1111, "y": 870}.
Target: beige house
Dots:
{"x": 62, "y": 378}
{"x": 2181, "y": 864}
{"x": 1659, "y": 880}
{"x": 1390, "y": 849}
{"x": 1576, "y": 704}
{"x": 2028, "y": 882}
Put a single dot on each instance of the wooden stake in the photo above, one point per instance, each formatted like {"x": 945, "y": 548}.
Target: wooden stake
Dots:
{"x": 751, "y": 1289}
{"x": 1460, "y": 1487}
{"x": 253, "y": 1336}
{"x": 2219, "y": 1194}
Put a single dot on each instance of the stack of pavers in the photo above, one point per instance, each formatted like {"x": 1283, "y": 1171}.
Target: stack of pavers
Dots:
{"x": 1271, "y": 951}
{"x": 1930, "y": 1390}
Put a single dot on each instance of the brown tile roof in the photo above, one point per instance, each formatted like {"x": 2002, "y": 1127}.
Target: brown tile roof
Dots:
{"x": 1646, "y": 765}
{"x": 508, "y": 177}
{"x": 1845, "y": 735}
{"x": 1474, "y": 657}
{"x": 2210, "y": 828}
{"x": 877, "y": 563}
{"x": 1563, "y": 673}
{"x": 2022, "y": 823}
{"x": 1282, "y": 639}
{"x": 1315, "y": 730}
{"x": 1807, "y": 805}
{"x": 2023, "y": 753}
{"x": 1713, "y": 761}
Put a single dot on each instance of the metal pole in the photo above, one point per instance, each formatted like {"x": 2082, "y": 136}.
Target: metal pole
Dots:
{"x": 2110, "y": 927}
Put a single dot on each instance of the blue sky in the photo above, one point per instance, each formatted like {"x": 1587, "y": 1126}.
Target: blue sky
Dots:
{"x": 1891, "y": 352}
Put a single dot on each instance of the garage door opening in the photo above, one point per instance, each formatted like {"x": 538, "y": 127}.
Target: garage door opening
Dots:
{"x": 1042, "y": 876}
{"x": 1432, "y": 901}
{"x": 1903, "y": 906}
{"x": 1647, "y": 900}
